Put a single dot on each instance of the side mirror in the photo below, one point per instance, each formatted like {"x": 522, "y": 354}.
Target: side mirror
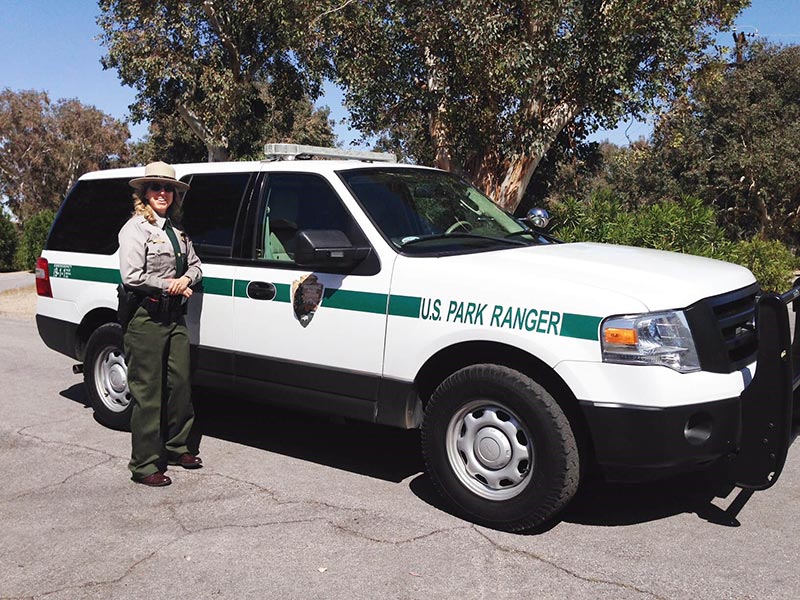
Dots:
{"x": 327, "y": 248}
{"x": 538, "y": 218}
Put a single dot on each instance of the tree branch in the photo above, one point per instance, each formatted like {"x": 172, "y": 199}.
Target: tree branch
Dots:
{"x": 333, "y": 10}
{"x": 216, "y": 148}
{"x": 233, "y": 53}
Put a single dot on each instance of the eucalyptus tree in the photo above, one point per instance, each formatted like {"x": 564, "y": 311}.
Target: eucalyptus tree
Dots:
{"x": 236, "y": 73}
{"x": 45, "y": 146}
{"x": 485, "y": 87}
{"x": 733, "y": 141}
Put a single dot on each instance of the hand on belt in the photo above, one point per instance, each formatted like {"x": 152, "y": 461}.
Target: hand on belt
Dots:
{"x": 164, "y": 306}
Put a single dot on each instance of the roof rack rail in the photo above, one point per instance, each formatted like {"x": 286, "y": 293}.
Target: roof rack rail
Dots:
{"x": 300, "y": 151}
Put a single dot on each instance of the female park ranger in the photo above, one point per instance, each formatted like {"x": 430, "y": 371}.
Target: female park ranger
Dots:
{"x": 158, "y": 265}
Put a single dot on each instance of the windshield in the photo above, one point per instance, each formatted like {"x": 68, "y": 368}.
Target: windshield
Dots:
{"x": 420, "y": 210}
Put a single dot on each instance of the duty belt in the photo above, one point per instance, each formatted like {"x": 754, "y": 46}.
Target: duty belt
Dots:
{"x": 164, "y": 308}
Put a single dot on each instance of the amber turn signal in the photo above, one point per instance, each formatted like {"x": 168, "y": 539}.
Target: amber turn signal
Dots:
{"x": 615, "y": 335}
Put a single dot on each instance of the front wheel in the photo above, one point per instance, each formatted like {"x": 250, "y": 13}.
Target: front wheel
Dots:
{"x": 105, "y": 375}
{"x": 499, "y": 448}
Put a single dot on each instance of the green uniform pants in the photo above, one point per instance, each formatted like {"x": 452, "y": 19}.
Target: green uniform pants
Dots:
{"x": 158, "y": 378}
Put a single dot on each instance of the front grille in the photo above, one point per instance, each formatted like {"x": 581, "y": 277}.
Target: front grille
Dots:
{"x": 724, "y": 331}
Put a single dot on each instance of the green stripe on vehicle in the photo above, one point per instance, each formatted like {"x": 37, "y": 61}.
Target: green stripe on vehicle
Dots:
{"x": 583, "y": 327}
{"x": 240, "y": 288}
{"x": 369, "y": 302}
{"x": 97, "y": 274}
{"x": 283, "y": 292}
{"x": 218, "y": 286}
{"x": 404, "y": 306}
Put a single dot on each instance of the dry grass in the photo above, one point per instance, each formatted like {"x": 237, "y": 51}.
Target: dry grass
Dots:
{"x": 19, "y": 303}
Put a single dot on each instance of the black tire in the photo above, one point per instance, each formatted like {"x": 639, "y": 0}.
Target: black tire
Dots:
{"x": 105, "y": 375}
{"x": 499, "y": 448}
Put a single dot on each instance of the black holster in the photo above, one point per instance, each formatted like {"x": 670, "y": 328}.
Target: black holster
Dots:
{"x": 128, "y": 302}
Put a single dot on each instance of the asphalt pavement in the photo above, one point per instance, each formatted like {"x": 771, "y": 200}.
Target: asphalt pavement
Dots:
{"x": 292, "y": 506}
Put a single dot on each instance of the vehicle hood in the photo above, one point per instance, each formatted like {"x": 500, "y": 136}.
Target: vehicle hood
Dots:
{"x": 660, "y": 280}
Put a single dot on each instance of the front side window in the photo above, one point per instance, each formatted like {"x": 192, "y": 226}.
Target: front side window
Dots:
{"x": 295, "y": 202}
{"x": 424, "y": 211}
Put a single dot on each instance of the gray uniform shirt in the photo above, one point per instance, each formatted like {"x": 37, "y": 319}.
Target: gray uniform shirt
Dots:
{"x": 146, "y": 257}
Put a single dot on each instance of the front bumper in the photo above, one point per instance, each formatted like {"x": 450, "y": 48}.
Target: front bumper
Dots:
{"x": 641, "y": 442}
{"x": 767, "y": 404}
{"x": 748, "y": 435}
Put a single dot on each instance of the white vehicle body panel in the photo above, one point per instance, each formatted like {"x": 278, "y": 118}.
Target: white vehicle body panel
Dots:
{"x": 523, "y": 298}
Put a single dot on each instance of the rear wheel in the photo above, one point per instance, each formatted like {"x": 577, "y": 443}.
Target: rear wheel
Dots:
{"x": 105, "y": 375}
{"x": 499, "y": 448}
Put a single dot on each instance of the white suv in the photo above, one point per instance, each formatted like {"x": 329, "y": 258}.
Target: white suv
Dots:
{"x": 401, "y": 295}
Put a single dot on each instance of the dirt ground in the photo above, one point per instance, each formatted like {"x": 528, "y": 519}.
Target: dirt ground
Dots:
{"x": 19, "y": 303}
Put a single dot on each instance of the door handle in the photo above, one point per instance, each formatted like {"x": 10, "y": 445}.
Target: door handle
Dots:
{"x": 260, "y": 290}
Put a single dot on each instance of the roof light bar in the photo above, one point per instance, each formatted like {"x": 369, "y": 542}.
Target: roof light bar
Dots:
{"x": 299, "y": 151}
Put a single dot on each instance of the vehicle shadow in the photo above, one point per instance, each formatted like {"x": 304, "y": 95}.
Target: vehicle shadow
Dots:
{"x": 373, "y": 450}
{"x": 76, "y": 393}
{"x": 394, "y": 455}
{"x": 619, "y": 504}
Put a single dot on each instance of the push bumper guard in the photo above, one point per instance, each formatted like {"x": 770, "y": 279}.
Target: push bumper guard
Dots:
{"x": 767, "y": 403}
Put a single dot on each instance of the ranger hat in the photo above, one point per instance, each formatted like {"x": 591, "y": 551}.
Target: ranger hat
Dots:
{"x": 158, "y": 172}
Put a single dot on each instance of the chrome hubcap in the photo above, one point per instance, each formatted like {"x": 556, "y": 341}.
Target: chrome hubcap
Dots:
{"x": 111, "y": 379}
{"x": 490, "y": 450}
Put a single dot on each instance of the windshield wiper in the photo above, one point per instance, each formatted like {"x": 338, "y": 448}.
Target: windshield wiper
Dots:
{"x": 472, "y": 236}
{"x": 533, "y": 233}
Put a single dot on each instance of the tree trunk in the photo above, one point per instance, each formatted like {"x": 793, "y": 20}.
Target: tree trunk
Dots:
{"x": 505, "y": 179}
{"x": 217, "y": 153}
{"x": 217, "y": 149}
{"x": 441, "y": 143}
{"x": 440, "y": 134}
{"x": 515, "y": 183}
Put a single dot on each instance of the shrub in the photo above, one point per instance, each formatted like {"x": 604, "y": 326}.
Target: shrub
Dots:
{"x": 686, "y": 225}
{"x": 770, "y": 261}
{"x": 9, "y": 240}
{"x": 34, "y": 236}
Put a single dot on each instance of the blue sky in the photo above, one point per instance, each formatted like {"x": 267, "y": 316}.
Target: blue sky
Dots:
{"x": 50, "y": 45}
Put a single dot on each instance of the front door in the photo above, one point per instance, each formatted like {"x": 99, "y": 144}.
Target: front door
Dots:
{"x": 306, "y": 337}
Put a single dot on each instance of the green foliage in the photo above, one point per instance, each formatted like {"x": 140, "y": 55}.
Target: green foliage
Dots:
{"x": 230, "y": 74}
{"x": 734, "y": 142}
{"x": 485, "y": 88}
{"x": 684, "y": 226}
{"x": 9, "y": 239}
{"x": 170, "y": 140}
{"x": 34, "y": 236}
{"x": 687, "y": 226}
{"x": 46, "y": 146}
{"x": 479, "y": 88}
{"x": 770, "y": 261}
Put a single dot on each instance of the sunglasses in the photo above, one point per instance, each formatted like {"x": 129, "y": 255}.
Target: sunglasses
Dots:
{"x": 157, "y": 187}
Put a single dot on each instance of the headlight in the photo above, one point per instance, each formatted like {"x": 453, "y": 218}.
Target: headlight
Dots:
{"x": 650, "y": 339}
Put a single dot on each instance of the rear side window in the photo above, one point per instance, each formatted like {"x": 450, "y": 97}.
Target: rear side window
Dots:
{"x": 91, "y": 216}
{"x": 210, "y": 209}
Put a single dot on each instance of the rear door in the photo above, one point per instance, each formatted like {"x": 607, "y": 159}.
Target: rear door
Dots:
{"x": 212, "y": 210}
